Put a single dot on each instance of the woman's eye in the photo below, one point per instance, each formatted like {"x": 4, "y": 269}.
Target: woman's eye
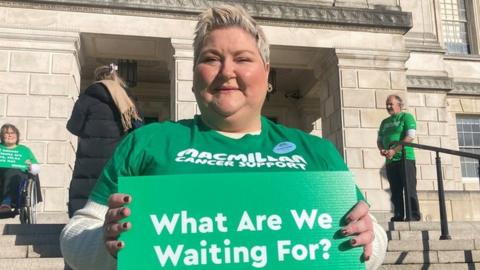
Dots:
{"x": 243, "y": 59}
{"x": 209, "y": 59}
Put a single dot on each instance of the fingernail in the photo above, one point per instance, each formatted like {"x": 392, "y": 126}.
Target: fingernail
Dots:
{"x": 367, "y": 258}
{"x": 353, "y": 242}
{"x": 344, "y": 232}
{"x": 348, "y": 220}
{"x": 119, "y": 244}
{"x": 126, "y": 199}
{"x": 125, "y": 225}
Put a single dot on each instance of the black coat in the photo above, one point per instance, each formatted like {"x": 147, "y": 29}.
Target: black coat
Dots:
{"x": 96, "y": 121}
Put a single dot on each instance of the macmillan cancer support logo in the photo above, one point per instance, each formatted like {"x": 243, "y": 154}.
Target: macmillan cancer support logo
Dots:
{"x": 245, "y": 160}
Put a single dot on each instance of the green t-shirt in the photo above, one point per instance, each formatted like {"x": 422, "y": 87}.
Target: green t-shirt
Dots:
{"x": 394, "y": 128}
{"x": 189, "y": 146}
{"x": 16, "y": 157}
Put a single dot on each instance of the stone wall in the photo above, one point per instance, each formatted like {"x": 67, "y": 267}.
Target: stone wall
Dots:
{"x": 433, "y": 80}
{"x": 182, "y": 99}
{"x": 40, "y": 75}
{"x": 436, "y": 118}
{"x": 365, "y": 83}
{"x": 429, "y": 109}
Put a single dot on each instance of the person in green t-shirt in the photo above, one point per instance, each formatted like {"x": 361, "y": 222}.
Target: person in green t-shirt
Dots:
{"x": 399, "y": 126}
{"x": 230, "y": 84}
{"x": 15, "y": 161}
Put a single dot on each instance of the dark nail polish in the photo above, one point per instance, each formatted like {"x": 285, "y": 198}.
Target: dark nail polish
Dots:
{"x": 125, "y": 225}
{"x": 354, "y": 242}
{"x": 126, "y": 199}
{"x": 367, "y": 258}
{"x": 344, "y": 232}
{"x": 119, "y": 244}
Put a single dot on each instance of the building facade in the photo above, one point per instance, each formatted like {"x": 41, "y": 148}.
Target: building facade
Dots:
{"x": 335, "y": 62}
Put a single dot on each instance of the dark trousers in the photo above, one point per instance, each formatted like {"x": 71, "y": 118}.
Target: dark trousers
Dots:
{"x": 10, "y": 179}
{"x": 395, "y": 176}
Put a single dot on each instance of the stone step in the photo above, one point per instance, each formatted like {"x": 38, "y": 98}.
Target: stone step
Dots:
{"x": 382, "y": 217}
{"x": 446, "y": 266}
{"x": 42, "y": 218}
{"x": 431, "y": 235}
{"x": 27, "y": 229}
{"x": 30, "y": 239}
{"x": 32, "y": 263}
{"x": 31, "y": 251}
{"x": 429, "y": 257}
{"x": 433, "y": 245}
{"x": 430, "y": 226}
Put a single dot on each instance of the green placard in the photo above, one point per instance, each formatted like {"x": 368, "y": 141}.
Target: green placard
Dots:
{"x": 239, "y": 221}
{"x": 11, "y": 158}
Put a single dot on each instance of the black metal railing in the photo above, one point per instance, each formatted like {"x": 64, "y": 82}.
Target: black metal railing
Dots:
{"x": 441, "y": 192}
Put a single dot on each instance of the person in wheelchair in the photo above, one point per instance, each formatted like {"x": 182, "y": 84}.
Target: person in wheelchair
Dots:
{"x": 16, "y": 162}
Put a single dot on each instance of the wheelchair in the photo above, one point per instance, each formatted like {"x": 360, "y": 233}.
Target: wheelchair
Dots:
{"x": 25, "y": 206}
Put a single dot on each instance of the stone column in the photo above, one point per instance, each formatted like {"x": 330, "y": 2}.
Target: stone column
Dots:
{"x": 326, "y": 73}
{"x": 39, "y": 75}
{"x": 426, "y": 32}
{"x": 366, "y": 79}
{"x": 317, "y": 102}
{"x": 182, "y": 100}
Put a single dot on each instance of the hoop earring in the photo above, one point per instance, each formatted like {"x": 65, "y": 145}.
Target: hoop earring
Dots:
{"x": 269, "y": 88}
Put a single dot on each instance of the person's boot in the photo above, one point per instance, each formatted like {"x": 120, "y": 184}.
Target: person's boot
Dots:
{"x": 414, "y": 217}
{"x": 396, "y": 218}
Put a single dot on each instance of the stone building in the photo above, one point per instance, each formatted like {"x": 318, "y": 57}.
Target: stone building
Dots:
{"x": 335, "y": 63}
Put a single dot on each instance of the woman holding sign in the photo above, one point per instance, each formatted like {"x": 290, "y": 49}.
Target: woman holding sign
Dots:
{"x": 15, "y": 161}
{"x": 230, "y": 83}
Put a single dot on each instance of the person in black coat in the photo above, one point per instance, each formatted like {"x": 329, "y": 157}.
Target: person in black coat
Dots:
{"x": 101, "y": 116}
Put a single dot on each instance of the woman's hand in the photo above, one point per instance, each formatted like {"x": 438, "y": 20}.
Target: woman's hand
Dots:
{"x": 360, "y": 226}
{"x": 32, "y": 168}
{"x": 112, "y": 228}
{"x": 390, "y": 153}
{"x": 29, "y": 164}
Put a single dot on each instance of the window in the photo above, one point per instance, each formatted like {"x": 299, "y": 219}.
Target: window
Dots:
{"x": 468, "y": 129}
{"x": 455, "y": 26}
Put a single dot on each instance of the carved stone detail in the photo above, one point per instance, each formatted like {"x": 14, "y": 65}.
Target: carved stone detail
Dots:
{"x": 292, "y": 13}
{"x": 427, "y": 82}
{"x": 461, "y": 88}
{"x": 443, "y": 83}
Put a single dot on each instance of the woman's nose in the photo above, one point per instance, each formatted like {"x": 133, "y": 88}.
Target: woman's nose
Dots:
{"x": 228, "y": 69}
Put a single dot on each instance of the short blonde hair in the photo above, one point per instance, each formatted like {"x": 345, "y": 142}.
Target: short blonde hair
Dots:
{"x": 228, "y": 16}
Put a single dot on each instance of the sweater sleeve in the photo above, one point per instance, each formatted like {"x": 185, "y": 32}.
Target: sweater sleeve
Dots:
{"x": 379, "y": 249}
{"x": 81, "y": 241}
